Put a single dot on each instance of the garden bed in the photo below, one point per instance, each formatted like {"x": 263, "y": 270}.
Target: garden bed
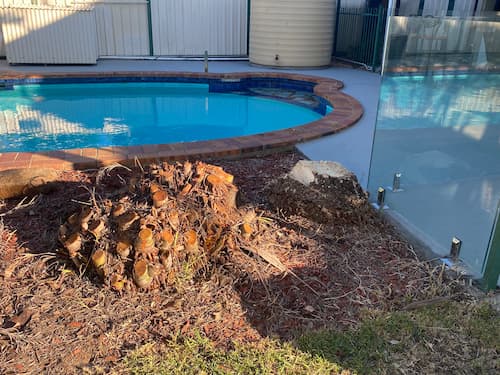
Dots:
{"x": 59, "y": 319}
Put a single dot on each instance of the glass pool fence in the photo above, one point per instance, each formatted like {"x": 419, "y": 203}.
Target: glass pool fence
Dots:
{"x": 436, "y": 152}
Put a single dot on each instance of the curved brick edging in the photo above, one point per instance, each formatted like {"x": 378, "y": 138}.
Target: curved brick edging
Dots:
{"x": 347, "y": 111}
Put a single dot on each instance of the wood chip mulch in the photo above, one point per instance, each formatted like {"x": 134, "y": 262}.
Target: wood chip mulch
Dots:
{"x": 55, "y": 318}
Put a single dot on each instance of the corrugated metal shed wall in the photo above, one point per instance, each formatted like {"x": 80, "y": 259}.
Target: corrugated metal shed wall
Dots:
{"x": 189, "y": 27}
{"x": 122, "y": 25}
{"x": 180, "y": 27}
{"x": 49, "y": 35}
{"x": 4, "y": 3}
{"x": 20, "y": 3}
{"x": 2, "y": 43}
{"x": 122, "y": 28}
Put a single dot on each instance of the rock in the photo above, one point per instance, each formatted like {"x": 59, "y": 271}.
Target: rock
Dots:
{"x": 319, "y": 190}
{"x": 18, "y": 182}
{"x": 305, "y": 171}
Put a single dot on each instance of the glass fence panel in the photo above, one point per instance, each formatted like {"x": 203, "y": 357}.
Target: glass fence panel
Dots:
{"x": 438, "y": 125}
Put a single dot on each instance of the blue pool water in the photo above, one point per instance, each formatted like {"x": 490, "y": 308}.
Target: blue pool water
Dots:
{"x": 63, "y": 116}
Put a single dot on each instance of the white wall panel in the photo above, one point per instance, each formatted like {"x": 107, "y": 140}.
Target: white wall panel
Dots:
{"x": 122, "y": 28}
{"x": 19, "y": 3}
{"x": 189, "y": 27}
{"x": 49, "y": 35}
{"x": 180, "y": 27}
{"x": 5, "y": 3}
{"x": 2, "y": 43}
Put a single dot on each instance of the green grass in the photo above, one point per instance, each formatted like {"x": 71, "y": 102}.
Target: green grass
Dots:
{"x": 447, "y": 338}
{"x": 197, "y": 355}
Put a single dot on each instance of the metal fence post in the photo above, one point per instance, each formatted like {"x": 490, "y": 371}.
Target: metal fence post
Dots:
{"x": 335, "y": 37}
{"x": 492, "y": 261}
{"x": 378, "y": 30}
{"x": 150, "y": 28}
{"x": 249, "y": 7}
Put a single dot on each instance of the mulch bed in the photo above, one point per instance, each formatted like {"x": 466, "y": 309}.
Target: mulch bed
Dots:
{"x": 54, "y": 319}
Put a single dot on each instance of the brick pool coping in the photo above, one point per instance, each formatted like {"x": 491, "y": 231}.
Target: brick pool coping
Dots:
{"x": 347, "y": 111}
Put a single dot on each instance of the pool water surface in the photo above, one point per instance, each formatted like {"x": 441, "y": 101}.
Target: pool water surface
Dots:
{"x": 47, "y": 117}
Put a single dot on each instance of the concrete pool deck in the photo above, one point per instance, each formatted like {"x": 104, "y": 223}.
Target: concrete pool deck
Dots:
{"x": 351, "y": 147}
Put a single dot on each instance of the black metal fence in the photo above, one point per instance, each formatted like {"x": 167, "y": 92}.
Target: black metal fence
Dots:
{"x": 359, "y": 35}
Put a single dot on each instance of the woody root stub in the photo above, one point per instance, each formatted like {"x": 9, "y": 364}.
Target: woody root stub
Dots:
{"x": 320, "y": 190}
{"x": 172, "y": 223}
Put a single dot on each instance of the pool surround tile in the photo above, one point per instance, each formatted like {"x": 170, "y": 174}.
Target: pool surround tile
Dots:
{"x": 24, "y": 156}
{"x": 8, "y": 157}
{"x": 15, "y": 164}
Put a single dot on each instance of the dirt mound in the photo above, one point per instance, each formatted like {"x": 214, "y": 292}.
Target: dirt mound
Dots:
{"x": 322, "y": 191}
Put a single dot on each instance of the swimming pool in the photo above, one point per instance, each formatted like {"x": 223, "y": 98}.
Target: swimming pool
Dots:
{"x": 312, "y": 94}
{"x": 47, "y": 117}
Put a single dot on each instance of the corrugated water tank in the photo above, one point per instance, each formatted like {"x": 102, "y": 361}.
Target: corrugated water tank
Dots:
{"x": 291, "y": 33}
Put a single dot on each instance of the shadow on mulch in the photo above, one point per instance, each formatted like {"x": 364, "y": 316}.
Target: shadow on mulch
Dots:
{"x": 335, "y": 274}
{"x": 37, "y": 225}
{"x": 36, "y": 220}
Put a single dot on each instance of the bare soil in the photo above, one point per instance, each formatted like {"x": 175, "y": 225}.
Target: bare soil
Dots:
{"x": 56, "y": 319}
